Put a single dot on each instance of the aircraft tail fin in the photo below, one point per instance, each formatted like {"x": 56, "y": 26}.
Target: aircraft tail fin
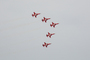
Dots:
{"x": 44, "y": 17}
{"x": 32, "y": 14}
{"x": 42, "y": 20}
{"x": 51, "y": 25}
{"x": 50, "y": 36}
{"x": 54, "y": 26}
{"x": 47, "y": 35}
{"x": 45, "y": 21}
{"x": 46, "y": 46}
{"x": 43, "y": 45}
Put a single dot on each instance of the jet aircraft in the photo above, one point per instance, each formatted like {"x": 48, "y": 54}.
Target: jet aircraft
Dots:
{"x": 45, "y": 19}
{"x": 35, "y": 14}
{"x": 49, "y": 34}
{"x": 45, "y": 44}
{"x": 53, "y": 24}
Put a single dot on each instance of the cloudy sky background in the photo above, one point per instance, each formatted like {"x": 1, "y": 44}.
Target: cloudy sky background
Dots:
{"x": 22, "y": 36}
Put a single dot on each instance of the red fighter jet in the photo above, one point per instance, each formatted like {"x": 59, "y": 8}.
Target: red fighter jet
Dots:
{"x": 53, "y": 24}
{"x": 45, "y": 44}
{"x": 45, "y": 19}
{"x": 49, "y": 34}
{"x": 35, "y": 14}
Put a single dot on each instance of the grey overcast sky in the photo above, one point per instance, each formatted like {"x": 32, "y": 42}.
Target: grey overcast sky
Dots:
{"x": 22, "y": 36}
